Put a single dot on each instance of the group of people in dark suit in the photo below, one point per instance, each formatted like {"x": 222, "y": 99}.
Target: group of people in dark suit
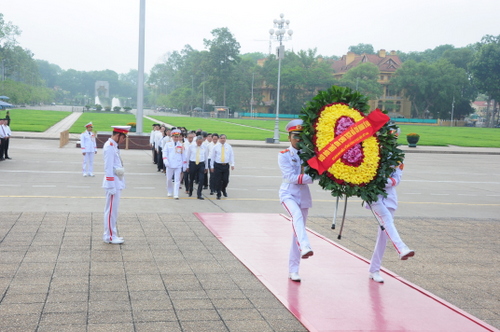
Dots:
{"x": 207, "y": 159}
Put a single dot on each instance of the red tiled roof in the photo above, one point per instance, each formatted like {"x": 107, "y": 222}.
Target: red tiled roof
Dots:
{"x": 389, "y": 63}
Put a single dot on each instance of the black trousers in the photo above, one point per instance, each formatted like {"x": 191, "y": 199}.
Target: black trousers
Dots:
{"x": 196, "y": 172}
{"x": 159, "y": 159}
{"x": 221, "y": 177}
{"x": 4, "y": 148}
{"x": 155, "y": 156}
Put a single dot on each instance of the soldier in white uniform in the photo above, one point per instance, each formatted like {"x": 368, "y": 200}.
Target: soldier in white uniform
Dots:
{"x": 384, "y": 209}
{"x": 295, "y": 197}
{"x": 113, "y": 182}
{"x": 175, "y": 162}
{"x": 89, "y": 149}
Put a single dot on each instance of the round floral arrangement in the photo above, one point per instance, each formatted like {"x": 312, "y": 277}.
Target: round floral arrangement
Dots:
{"x": 363, "y": 168}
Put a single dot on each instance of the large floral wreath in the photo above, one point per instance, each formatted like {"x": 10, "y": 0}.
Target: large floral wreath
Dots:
{"x": 364, "y": 168}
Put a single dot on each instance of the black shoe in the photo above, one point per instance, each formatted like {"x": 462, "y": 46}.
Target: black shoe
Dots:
{"x": 190, "y": 194}
{"x": 211, "y": 193}
{"x": 205, "y": 187}
{"x": 8, "y": 158}
{"x": 201, "y": 198}
{"x": 224, "y": 193}
{"x": 218, "y": 197}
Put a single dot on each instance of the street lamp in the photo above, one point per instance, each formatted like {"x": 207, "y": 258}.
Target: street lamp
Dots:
{"x": 279, "y": 34}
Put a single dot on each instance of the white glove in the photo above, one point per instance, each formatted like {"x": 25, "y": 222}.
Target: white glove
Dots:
{"x": 120, "y": 172}
{"x": 111, "y": 191}
{"x": 391, "y": 182}
{"x": 165, "y": 161}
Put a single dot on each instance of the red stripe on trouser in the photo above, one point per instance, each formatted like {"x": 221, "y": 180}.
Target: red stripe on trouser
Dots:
{"x": 109, "y": 217}
{"x": 385, "y": 230}
{"x": 293, "y": 228}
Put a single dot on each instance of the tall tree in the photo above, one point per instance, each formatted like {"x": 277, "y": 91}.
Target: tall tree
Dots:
{"x": 363, "y": 78}
{"x": 362, "y": 49}
{"x": 486, "y": 72}
{"x": 224, "y": 53}
{"x": 433, "y": 87}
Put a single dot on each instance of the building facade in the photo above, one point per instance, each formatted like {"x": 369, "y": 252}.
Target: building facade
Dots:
{"x": 396, "y": 104}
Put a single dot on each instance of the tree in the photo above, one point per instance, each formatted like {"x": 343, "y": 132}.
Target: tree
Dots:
{"x": 363, "y": 78}
{"x": 224, "y": 53}
{"x": 362, "y": 49}
{"x": 8, "y": 32}
{"x": 433, "y": 87}
{"x": 49, "y": 72}
{"x": 485, "y": 69}
{"x": 302, "y": 75}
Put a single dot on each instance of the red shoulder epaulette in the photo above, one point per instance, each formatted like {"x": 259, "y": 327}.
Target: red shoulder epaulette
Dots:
{"x": 284, "y": 151}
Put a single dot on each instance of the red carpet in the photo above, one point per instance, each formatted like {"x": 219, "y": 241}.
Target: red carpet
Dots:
{"x": 335, "y": 293}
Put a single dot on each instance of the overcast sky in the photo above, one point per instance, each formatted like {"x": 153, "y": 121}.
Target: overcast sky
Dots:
{"x": 103, "y": 34}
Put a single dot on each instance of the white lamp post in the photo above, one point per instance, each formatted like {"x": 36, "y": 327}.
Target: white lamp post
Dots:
{"x": 279, "y": 34}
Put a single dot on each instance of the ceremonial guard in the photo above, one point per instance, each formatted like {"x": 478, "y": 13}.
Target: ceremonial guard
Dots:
{"x": 295, "y": 197}
{"x": 384, "y": 209}
{"x": 174, "y": 160}
{"x": 113, "y": 182}
{"x": 221, "y": 160}
{"x": 89, "y": 149}
{"x": 197, "y": 156}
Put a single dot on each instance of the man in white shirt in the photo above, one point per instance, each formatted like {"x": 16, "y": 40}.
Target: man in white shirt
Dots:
{"x": 5, "y": 134}
{"x": 197, "y": 156}
{"x": 152, "y": 138}
{"x": 89, "y": 149}
{"x": 222, "y": 158}
{"x": 187, "y": 142}
{"x": 215, "y": 139}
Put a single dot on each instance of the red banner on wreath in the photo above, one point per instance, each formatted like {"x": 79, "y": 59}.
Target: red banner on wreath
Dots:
{"x": 356, "y": 133}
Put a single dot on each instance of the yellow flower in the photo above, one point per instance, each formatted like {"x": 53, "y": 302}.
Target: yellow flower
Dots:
{"x": 325, "y": 133}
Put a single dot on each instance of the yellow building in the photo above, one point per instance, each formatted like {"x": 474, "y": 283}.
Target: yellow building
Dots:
{"x": 397, "y": 105}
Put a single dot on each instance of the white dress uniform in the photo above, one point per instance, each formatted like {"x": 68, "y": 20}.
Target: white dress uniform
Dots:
{"x": 384, "y": 208}
{"x": 114, "y": 183}
{"x": 174, "y": 159}
{"x": 296, "y": 199}
{"x": 89, "y": 147}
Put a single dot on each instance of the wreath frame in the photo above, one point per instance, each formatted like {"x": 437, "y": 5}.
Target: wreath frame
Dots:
{"x": 390, "y": 154}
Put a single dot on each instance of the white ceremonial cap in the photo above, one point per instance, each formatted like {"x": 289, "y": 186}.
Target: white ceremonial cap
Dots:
{"x": 88, "y": 124}
{"x": 121, "y": 129}
{"x": 294, "y": 125}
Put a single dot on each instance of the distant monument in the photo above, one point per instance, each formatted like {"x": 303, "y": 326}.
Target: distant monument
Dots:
{"x": 101, "y": 92}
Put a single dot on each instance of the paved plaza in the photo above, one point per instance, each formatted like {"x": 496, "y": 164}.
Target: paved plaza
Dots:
{"x": 172, "y": 274}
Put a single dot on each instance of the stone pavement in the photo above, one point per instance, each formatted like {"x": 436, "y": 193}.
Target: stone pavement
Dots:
{"x": 172, "y": 274}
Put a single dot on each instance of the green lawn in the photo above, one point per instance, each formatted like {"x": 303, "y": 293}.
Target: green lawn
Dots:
{"x": 239, "y": 129}
{"x": 460, "y": 136}
{"x": 104, "y": 121}
{"x": 33, "y": 120}
{"x": 242, "y": 129}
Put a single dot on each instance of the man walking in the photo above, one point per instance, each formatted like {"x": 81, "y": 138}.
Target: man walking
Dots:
{"x": 197, "y": 155}
{"x": 295, "y": 197}
{"x": 113, "y": 182}
{"x": 174, "y": 161}
{"x": 221, "y": 159}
